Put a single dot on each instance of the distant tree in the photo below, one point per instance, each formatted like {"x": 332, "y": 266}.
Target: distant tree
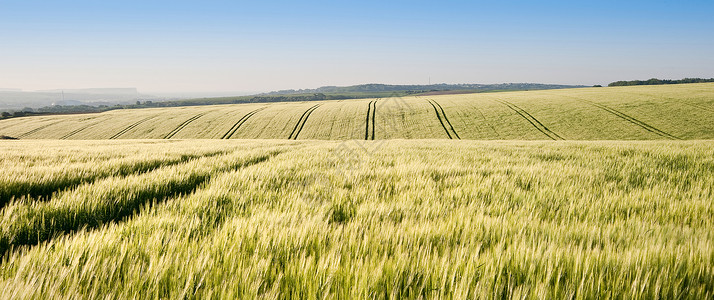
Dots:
{"x": 138, "y": 102}
{"x": 27, "y": 109}
{"x": 18, "y": 114}
{"x": 597, "y": 85}
{"x": 655, "y": 81}
{"x": 6, "y": 114}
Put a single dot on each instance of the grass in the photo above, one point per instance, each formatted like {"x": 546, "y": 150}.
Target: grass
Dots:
{"x": 141, "y": 209}
{"x": 411, "y": 219}
{"x": 668, "y": 112}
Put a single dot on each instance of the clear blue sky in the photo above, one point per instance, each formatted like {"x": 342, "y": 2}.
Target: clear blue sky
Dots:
{"x": 257, "y": 46}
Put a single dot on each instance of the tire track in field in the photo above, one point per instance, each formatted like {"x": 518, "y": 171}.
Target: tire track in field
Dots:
{"x": 435, "y": 104}
{"x": 239, "y": 123}
{"x": 699, "y": 106}
{"x": 42, "y": 226}
{"x": 483, "y": 117}
{"x": 528, "y": 117}
{"x": 130, "y": 127}
{"x": 371, "y": 112}
{"x": 374, "y": 117}
{"x": 675, "y": 100}
{"x": 44, "y": 191}
{"x": 630, "y": 119}
{"x": 5, "y": 124}
{"x": 301, "y": 122}
{"x": 38, "y": 129}
{"x": 78, "y": 130}
{"x": 183, "y": 125}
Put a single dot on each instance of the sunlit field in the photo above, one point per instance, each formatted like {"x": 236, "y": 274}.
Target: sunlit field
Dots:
{"x": 359, "y": 219}
{"x": 670, "y": 112}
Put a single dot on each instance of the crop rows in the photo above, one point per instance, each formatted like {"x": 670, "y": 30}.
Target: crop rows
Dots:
{"x": 418, "y": 219}
{"x": 130, "y": 127}
{"x": 301, "y": 122}
{"x": 183, "y": 125}
{"x": 95, "y": 199}
{"x": 240, "y": 122}
{"x": 533, "y": 121}
{"x": 441, "y": 115}
{"x": 371, "y": 113}
{"x": 622, "y": 113}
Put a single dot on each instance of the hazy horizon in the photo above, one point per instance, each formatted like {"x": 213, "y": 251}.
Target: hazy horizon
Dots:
{"x": 226, "y": 47}
{"x": 236, "y": 93}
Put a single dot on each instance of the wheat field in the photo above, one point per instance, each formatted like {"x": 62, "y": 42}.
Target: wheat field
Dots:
{"x": 679, "y": 112}
{"x": 357, "y": 219}
{"x": 586, "y": 193}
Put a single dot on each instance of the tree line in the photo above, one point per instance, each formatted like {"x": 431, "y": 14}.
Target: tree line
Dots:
{"x": 655, "y": 81}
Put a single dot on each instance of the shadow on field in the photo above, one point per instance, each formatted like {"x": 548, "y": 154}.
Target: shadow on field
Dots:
{"x": 37, "y": 227}
{"x": 44, "y": 191}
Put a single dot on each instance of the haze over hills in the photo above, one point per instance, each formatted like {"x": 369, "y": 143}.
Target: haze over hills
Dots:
{"x": 17, "y": 99}
{"x": 376, "y": 87}
{"x": 612, "y": 113}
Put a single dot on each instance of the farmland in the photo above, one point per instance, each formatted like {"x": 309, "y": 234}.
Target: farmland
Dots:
{"x": 434, "y": 218}
{"x": 615, "y": 113}
{"x": 584, "y": 193}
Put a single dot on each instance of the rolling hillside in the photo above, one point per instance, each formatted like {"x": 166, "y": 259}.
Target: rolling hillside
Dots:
{"x": 275, "y": 219}
{"x": 614, "y": 113}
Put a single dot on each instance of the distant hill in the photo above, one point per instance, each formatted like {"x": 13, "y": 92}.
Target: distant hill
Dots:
{"x": 17, "y": 99}
{"x": 375, "y": 87}
{"x": 97, "y": 91}
{"x": 625, "y": 113}
{"x": 103, "y": 99}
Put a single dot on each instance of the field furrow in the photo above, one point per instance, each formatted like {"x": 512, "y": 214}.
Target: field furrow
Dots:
{"x": 240, "y": 122}
{"x": 374, "y": 118}
{"x": 632, "y": 120}
{"x": 183, "y": 125}
{"x": 687, "y": 102}
{"x": 532, "y": 120}
{"x": 617, "y": 113}
{"x": 443, "y": 113}
{"x": 41, "y": 187}
{"x": 301, "y": 122}
{"x": 371, "y": 116}
{"x": 436, "y": 111}
{"x": 111, "y": 199}
{"x": 130, "y": 127}
{"x": 38, "y": 129}
{"x": 416, "y": 219}
{"x": 78, "y": 130}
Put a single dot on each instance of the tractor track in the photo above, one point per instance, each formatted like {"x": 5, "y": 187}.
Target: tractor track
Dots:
{"x": 371, "y": 112}
{"x": 435, "y": 104}
{"x": 38, "y": 129}
{"x": 183, "y": 125}
{"x": 46, "y": 191}
{"x": 528, "y": 117}
{"x": 114, "y": 212}
{"x": 483, "y": 117}
{"x": 240, "y": 123}
{"x": 130, "y": 127}
{"x": 301, "y": 122}
{"x": 676, "y": 101}
{"x": 78, "y": 130}
{"x": 699, "y": 106}
{"x": 630, "y": 119}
